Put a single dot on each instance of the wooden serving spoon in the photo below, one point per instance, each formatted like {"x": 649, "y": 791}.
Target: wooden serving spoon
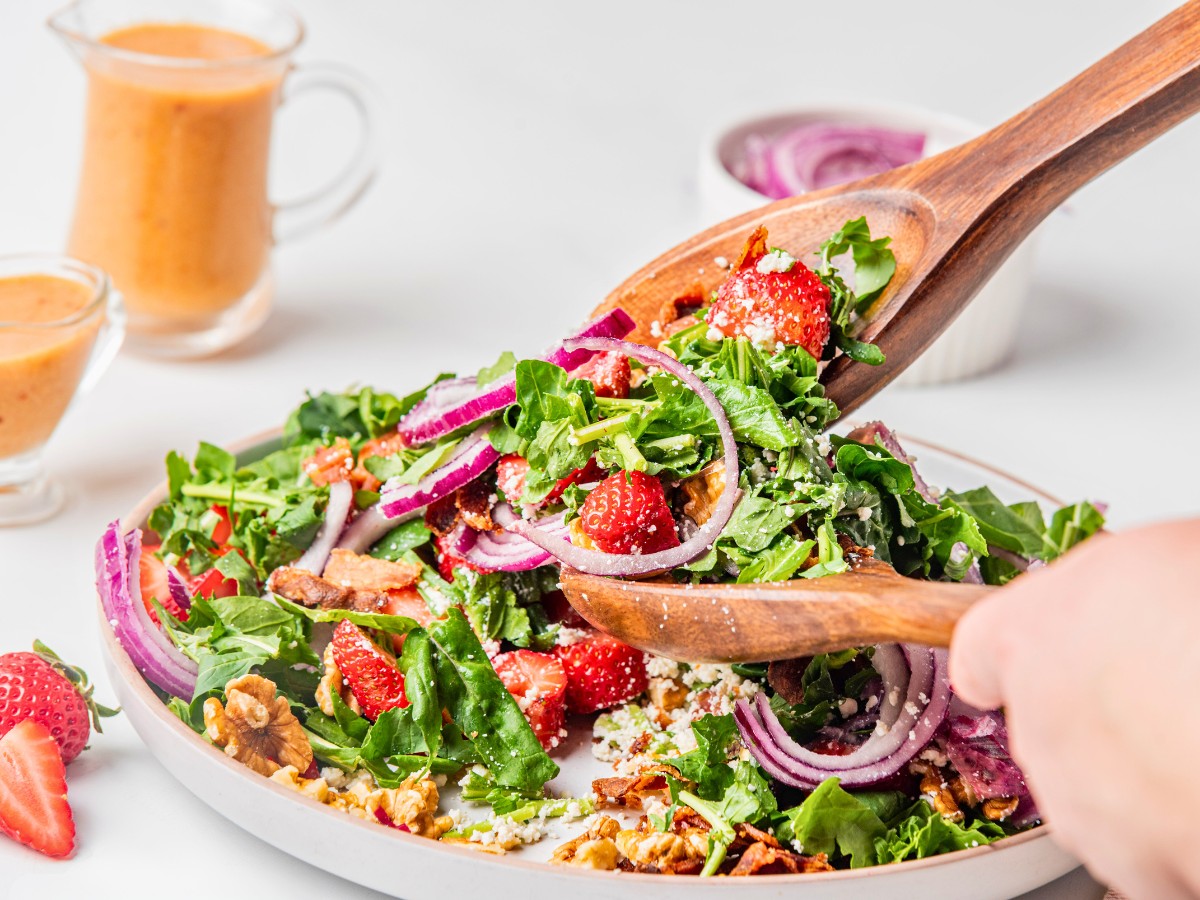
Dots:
{"x": 953, "y": 219}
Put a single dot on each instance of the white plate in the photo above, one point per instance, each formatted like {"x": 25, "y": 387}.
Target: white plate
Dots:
{"x": 403, "y": 865}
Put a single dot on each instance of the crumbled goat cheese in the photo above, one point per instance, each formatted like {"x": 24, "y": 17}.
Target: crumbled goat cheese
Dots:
{"x": 933, "y": 755}
{"x": 334, "y": 777}
{"x": 761, "y": 332}
{"x": 508, "y": 833}
{"x": 661, "y": 667}
{"x": 864, "y": 513}
{"x": 568, "y": 636}
{"x": 656, "y": 329}
{"x": 848, "y": 707}
{"x": 775, "y": 261}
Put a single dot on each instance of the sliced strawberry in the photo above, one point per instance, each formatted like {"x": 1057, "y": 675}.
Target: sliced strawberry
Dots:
{"x": 590, "y": 472}
{"x": 223, "y": 530}
{"x": 539, "y": 684}
{"x": 628, "y": 513}
{"x": 772, "y": 298}
{"x": 512, "y": 469}
{"x": 510, "y": 476}
{"x": 609, "y": 373}
{"x": 33, "y": 791}
{"x": 406, "y": 602}
{"x": 213, "y": 584}
{"x": 152, "y": 578}
{"x": 831, "y": 747}
{"x": 601, "y": 672}
{"x": 369, "y": 671}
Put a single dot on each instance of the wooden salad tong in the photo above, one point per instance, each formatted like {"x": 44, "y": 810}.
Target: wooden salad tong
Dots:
{"x": 953, "y": 219}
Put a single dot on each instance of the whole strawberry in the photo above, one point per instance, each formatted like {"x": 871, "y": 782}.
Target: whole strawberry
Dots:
{"x": 41, "y": 687}
{"x": 628, "y": 513}
{"x": 772, "y": 298}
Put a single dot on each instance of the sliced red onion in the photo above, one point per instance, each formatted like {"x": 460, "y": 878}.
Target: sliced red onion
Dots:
{"x": 505, "y": 551}
{"x": 595, "y": 562}
{"x": 470, "y": 460}
{"x": 881, "y": 757}
{"x": 1019, "y": 562}
{"x": 337, "y": 510}
{"x": 369, "y": 527}
{"x": 452, "y": 404}
{"x": 160, "y": 661}
{"x": 820, "y": 155}
{"x": 179, "y": 589}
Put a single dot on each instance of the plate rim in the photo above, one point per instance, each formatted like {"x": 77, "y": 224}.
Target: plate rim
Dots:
{"x": 120, "y": 663}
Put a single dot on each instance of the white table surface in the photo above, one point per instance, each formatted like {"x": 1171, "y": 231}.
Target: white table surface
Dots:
{"x": 537, "y": 153}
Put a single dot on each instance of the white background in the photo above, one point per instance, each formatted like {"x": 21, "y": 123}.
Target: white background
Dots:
{"x": 536, "y": 153}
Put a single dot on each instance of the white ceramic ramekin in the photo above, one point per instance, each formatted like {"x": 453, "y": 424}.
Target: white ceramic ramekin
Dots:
{"x": 985, "y": 333}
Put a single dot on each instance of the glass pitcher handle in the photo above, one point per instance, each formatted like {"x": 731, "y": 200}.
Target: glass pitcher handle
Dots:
{"x": 108, "y": 342}
{"x": 314, "y": 211}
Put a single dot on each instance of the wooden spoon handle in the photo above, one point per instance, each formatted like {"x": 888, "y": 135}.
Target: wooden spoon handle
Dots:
{"x": 1047, "y": 152}
{"x": 761, "y": 622}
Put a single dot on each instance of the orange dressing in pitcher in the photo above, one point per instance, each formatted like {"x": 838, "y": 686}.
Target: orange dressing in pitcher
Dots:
{"x": 173, "y": 194}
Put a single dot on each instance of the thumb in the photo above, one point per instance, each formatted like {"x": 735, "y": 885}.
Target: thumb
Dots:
{"x": 975, "y": 651}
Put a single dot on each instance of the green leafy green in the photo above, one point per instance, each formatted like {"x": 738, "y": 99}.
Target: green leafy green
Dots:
{"x": 874, "y": 266}
{"x": 229, "y": 637}
{"x": 501, "y": 367}
{"x": 747, "y": 798}
{"x": 922, "y": 832}
{"x": 833, "y": 822}
{"x": 483, "y": 710}
{"x": 357, "y": 416}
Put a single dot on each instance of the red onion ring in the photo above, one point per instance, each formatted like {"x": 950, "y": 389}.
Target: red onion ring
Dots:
{"x": 369, "y": 527}
{"x": 337, "y": 510}
{"x": 595, "y": 562}
{"x": 445, "y": 408}
{"x": 470, "y": 460}
{"x": 505, "y": 551}
{"x": 817, "y": 155}
{"x": 882, "y": 756}
{"x": 151, "y": 651}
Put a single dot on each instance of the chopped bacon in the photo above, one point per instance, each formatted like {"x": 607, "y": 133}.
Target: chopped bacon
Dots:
{"x": 366, "y": 573}
{"x": 630, "y": 790}
{"x": 303, "y": 587}
{"x": 761, "y": 858}
{"x": 786, "y": 678}
{"x": 474, "y": 500}
{"x": 442, "y": 515}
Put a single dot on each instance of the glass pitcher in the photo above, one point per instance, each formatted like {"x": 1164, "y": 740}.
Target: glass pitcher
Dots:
{"x": 172, "y": 199}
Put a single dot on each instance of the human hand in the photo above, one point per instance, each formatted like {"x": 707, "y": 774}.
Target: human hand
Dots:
{"x": 1095, "y": 660}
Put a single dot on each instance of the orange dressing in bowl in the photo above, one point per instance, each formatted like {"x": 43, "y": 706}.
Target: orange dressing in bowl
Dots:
{"x": 41, "y": 362}
{"x": 172, "y": 199}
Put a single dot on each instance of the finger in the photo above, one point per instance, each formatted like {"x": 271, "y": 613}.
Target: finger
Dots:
{"x": 975, "y": 667}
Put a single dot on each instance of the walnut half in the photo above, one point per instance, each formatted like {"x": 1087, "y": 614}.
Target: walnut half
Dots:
{"x": 256, "y": 727}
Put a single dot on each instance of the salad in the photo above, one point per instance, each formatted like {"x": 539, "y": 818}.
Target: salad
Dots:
{"x": 369, "y": 612}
